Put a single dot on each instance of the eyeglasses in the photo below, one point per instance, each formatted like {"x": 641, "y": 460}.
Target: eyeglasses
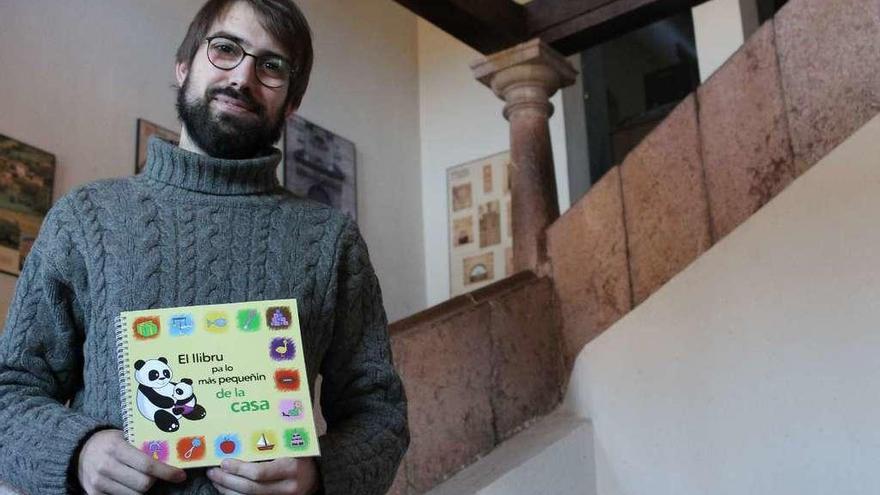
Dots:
{"x": 272, "y": 71}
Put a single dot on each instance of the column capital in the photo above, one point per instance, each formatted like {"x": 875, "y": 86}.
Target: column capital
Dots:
{"x": 525, "y": 76}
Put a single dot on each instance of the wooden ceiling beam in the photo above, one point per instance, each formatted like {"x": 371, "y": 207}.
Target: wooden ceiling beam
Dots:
{"x": 570, "y": 26}
{"x": 486, "y": 25}
{"x": 543, "y": 14}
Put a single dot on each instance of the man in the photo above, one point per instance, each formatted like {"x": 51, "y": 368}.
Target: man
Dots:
{"x": 205, "y": 223}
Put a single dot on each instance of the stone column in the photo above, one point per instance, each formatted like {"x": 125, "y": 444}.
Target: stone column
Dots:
{"x": 525, "y": 77}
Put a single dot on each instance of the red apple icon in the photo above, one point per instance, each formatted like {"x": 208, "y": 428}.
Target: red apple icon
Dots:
{"x": 227, "y": 446}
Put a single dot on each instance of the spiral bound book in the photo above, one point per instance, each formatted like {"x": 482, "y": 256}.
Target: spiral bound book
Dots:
{"x": 202, "y": 383}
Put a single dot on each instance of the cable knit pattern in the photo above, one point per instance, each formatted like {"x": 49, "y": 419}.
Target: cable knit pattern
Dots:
{"x": 192, "y": 230}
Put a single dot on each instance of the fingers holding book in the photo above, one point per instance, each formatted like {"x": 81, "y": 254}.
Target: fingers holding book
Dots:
{"x": 285, "y": 475}
{"x": 109, "y": 464}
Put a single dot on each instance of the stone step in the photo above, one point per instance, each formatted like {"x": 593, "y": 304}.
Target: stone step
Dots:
{"x": 557, "y": 447}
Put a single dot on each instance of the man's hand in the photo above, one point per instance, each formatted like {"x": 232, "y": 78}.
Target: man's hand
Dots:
{"x": 284, "y": 476}
{"x": 108, "y": 464}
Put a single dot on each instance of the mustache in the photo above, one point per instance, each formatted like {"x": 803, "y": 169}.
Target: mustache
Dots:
{"x": 244, "y": 98}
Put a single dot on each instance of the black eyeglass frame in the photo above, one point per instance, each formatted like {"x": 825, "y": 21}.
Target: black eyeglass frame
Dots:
{"x": 244, "y": 54}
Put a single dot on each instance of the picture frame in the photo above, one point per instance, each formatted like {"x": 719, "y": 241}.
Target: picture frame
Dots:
{"x": 144, "y": 130}
{"x": 320, "y": 165}
{"x": 27, "y": 177}
{"x": 480, "y": 227}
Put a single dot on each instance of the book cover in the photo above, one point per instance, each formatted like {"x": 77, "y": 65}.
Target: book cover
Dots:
{"x": 204, "y": 383}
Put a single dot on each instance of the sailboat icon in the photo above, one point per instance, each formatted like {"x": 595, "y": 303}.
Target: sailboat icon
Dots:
{"x": 263, "y": 443}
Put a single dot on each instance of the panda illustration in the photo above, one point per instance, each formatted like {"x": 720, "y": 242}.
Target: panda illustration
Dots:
{"x": 185, "y": 403}
{"x": 155, "y": 395}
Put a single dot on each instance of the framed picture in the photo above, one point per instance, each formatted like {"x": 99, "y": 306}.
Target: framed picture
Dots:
{"x": 480, "y": 228}
{"x": 27, "y": 175}
{"x": 320, "y": 165}
{"x": 145, "y": 129}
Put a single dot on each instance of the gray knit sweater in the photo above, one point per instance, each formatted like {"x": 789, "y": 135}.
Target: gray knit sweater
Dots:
{"x": 192, "y": 230}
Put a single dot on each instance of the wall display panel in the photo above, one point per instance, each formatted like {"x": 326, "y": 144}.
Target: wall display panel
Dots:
{"x": 480, "y": 237}
{"x": 27, "y": 175}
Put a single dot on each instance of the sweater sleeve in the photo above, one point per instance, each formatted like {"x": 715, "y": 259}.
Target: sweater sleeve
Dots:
{"x": 362, "y": 396}
{"x": 40, "y": 368}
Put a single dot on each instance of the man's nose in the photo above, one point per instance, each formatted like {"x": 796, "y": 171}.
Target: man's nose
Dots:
{"x": 244, "y": 76}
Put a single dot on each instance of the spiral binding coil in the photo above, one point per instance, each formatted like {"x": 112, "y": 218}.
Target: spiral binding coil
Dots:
{"x": 124, "y": 378}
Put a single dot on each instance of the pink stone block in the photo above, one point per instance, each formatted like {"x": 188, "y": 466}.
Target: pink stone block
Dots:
{"x": 829, "y": 56}
{"x": 587, "y": 248}
{"x": 664, "y": 197}
{"x": 746, "y": 147}
{"x": 445, "y": 368}
{"x": 527, "y": 359}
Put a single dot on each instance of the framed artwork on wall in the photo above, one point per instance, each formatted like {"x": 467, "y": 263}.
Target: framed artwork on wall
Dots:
{"x": 145, "y": 129}
{"x": 480, "y": 234}
{"x": 27, "y": 175}
{"x": 320, "y": 165}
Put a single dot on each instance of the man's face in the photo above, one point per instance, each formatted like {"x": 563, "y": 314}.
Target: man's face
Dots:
{"x": 230, "y": 113}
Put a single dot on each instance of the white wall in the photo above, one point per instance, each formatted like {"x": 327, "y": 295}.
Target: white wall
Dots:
{"x": 756, "y": 369}
{"x": 460, "y": 121}
{"x": 365, "y": 87}
{"x": 76, "y": 74}
{"x": 720, "y": 28}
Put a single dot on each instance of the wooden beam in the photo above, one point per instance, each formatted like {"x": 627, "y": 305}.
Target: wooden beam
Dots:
{"x": 486, "y": 25}
{"x": 570, "y": 26}
{"x": 543, "y": 14}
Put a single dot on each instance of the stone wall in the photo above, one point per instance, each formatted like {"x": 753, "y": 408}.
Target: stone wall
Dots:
{"x": 476, "y": 369}
{"x": 798, "y": 87}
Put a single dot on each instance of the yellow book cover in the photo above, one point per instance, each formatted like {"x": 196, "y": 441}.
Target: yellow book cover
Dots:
{"x": 202, "y": 383}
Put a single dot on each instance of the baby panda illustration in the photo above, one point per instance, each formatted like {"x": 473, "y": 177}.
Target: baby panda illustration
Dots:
{"x": 185, "y": 403}
{"x": 155, "y": 395}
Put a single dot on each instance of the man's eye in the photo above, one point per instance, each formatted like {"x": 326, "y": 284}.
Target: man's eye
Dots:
{"x": 224, "y": 48}
{"x": 274, "y": 66}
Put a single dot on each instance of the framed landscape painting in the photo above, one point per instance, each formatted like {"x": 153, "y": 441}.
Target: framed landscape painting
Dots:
{"x": 320, "y": 165}
{"x": 145, "y": 129}
{"x": 27, "y": 175}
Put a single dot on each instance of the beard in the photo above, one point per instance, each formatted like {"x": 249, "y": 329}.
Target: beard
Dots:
{"x": 225, "y": 135}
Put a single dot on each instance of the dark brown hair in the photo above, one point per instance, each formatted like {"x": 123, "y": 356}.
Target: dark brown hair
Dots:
{"x": 282, "y": 19}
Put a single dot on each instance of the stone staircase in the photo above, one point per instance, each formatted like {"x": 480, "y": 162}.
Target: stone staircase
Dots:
{"x": 480, "y": 368}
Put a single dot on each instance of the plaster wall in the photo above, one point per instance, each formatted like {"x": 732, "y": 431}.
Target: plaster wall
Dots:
{"x": 461, "y": 121}
{"x": 719, "y": 32}
{"x": 752, "y": 370}
{"x": 77, "y": 74}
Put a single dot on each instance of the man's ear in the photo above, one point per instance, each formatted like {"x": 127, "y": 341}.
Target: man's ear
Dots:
{"x": 180, "y": 72}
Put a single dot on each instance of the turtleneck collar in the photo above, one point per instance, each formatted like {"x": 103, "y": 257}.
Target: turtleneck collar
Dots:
{"x": 195, "y": 172}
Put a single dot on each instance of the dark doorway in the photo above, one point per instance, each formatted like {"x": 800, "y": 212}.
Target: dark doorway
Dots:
{"x": 768, "y": 8}
{"x": 632, "y": 82}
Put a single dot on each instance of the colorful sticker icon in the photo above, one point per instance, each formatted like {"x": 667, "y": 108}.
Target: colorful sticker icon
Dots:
{"x": 296, "y": 439}
{"x": 282, "y": 349}
{"x": 278, "y": 317}
{"x": 191, "y": 449}
{"x": 180, "y": 325}
{"x": 216, "y": 322}
{"x": 291, "y": 409}
{"x": 157, "y": 449}
{"x": 146, "y": 327}
{"x": 248, "y": 320}
{"x": 264, "y": 441}
{"x": 227, "y": 445}
{"x": 287, "y": 380}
